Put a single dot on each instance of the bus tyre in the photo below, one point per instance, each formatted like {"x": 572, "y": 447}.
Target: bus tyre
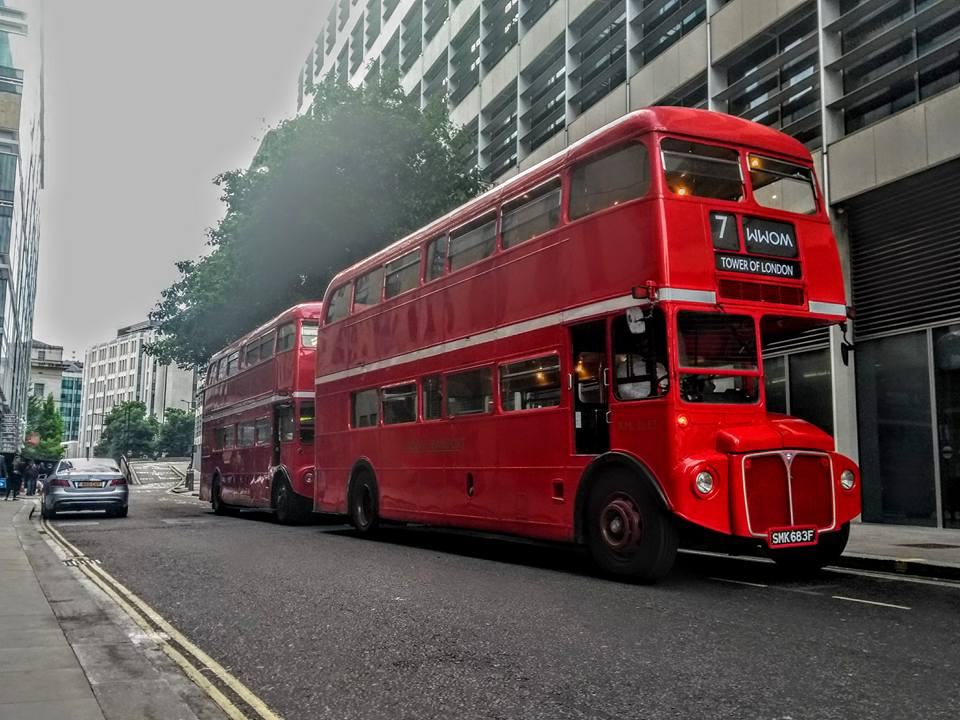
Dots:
{"x": 628, "y": 532}
{"x": 286, "y": 505}
{"x": 219, "y": 507}
{"x": 806, "y": 560}
{"x": 364, "y": 502}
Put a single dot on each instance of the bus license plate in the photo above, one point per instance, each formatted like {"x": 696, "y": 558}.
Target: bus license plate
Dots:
{"x": 89, "y": 483}
{"x": 792, "y": 537}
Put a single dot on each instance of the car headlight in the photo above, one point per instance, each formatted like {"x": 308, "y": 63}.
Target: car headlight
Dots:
{"x": 704, "y": 482}
{"x": 847, "y": 479}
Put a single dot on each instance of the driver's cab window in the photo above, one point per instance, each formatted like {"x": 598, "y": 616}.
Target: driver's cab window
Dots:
{"x": 640, "y": 355}
{"x": 589, "y": 370}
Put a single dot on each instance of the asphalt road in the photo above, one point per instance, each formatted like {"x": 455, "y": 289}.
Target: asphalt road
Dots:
{"x": 429, "y": 624}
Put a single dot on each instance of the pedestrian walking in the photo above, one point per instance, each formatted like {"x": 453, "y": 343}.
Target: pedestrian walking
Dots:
{"x": 30, "y": 474}
{"x": 14, "y": 477}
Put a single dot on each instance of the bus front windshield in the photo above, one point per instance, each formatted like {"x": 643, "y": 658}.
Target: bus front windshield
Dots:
{"x": 710, "y": 342}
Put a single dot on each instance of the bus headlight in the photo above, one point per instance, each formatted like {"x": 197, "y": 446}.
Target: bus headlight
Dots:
{"x": 847, "y": 479}
{"x": 704, "y": 482}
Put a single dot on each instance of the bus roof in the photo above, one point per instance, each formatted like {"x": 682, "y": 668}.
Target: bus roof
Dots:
{"x": 303, "y": 310}
{"x": 704, "y": 124}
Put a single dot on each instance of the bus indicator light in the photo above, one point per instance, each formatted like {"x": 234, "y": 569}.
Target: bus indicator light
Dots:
{"x": 683, "y": 421}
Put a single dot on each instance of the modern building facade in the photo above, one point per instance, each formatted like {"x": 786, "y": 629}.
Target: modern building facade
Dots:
{"x": 119, "y": 370}
{"x": 50, "y": 374}
{"x": 872, "y": 87}
{"x": 21, "y": 184}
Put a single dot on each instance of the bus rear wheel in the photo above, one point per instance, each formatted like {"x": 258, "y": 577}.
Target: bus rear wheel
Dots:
{"x": 806, "y": 560}
{"x": 628, "y": 533}
{"x": 364, "y": 502}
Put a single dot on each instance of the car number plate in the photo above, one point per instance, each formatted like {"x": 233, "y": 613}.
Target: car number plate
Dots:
{"x": 792, "y": 537}
{"x": 89, "y": 483}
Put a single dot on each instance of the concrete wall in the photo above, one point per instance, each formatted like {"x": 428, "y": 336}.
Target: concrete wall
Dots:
{"x": 740, "y": 20}
{"x": 909, "y": 142}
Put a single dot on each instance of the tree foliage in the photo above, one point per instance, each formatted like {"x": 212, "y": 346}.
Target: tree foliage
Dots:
{"x": 175, "y": 438}
{"x": 44, "y": 419}
{"x": 363, "y": 168}
{"x": 127, "y": 430}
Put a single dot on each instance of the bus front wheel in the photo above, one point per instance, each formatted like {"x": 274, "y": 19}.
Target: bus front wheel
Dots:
{"x": 628, "y": 532}
{"x": 364, "y": 502}
{"x": 806, "y": 560}
{"x": 286, "y": 505}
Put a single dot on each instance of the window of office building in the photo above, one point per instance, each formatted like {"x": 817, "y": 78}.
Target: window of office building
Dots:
{"x": 597, "y": 55}
{"x": 499, "y": 134}
{"x": 465, "y": 59}
{"x": 411, "y": 36}
{"x": 499, "y": 29}
{"x": 543, "y": 95}
{"x": 775, "y": 80}
{"x": 894, "y": 55}
{"x": 658, "y": 24}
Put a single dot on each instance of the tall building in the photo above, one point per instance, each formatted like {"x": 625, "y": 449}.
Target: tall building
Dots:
{"x": 872, "y": 87}
{"x": 119, "y": 370}
{"x": 21, "y": 183}
{"x": 50, "y": 374}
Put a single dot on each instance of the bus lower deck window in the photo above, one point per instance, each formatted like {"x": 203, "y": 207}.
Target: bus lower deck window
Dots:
{"x": 399, "y": 404}
{"x": 470, "y": 392}
{"x": 530, "y": 384}
{"x": 365, "y": 408}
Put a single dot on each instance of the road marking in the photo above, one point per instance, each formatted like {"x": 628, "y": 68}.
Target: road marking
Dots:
{"x": 952, "y": 584}
{"x": 871, "y": 602}
{"x": 144, "y": 615}
{"x": 738, "y": 582}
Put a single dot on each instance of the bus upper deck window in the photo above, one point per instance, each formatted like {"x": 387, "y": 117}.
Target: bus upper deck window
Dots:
{"x": 614, "y": 177}
{"x": 368, "y": 290}
{"x": 702, "y": 170}
{"x": 782, "y": 185}
{"x": 339, "y": 303}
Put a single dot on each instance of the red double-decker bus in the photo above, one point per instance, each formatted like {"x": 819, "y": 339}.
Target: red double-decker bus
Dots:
{"x": 576, "y": 354}
{"x": 258, "y": 423}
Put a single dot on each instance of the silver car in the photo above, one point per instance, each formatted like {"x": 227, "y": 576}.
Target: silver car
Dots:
{"x": 85, "y": 484}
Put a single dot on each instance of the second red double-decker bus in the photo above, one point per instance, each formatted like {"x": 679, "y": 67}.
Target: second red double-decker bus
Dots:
{"x": 576, "y": 354}
{"x": 257, "y": 449}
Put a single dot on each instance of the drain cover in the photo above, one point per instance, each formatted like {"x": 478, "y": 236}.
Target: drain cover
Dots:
{"x": 931, "y": 546}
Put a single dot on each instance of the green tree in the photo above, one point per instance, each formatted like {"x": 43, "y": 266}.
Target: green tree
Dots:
{"x": 364, "y": 167}
{"x": 44, "y": 419}
{"x": 127, "y": 430}
{"x": 175, "y": 438}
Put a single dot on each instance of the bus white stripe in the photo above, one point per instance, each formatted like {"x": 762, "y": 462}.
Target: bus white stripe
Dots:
{"x": 525, "y": 326}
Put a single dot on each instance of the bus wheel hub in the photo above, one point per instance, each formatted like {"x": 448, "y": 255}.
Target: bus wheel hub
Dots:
{"x": 620, "y": 524}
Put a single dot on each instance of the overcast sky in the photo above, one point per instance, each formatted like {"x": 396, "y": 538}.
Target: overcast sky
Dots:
{"x": 145, "y": 103}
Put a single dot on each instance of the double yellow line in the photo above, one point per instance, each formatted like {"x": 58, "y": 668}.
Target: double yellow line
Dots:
{"x": 173, "y": 643}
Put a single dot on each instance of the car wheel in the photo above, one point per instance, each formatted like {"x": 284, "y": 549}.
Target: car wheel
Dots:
{"x": 628, "y": 533}
{"x": 47, "y": 514}
{"x": 121, "y": 513}
{"x": 364, "y": 502}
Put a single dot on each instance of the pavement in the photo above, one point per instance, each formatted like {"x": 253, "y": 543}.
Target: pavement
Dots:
{"x": 928, "y": 552}
{"x": 67, "y": 652}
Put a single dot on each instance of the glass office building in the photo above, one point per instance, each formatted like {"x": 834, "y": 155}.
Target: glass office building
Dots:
{"x": 21, "y": 183}
{"x": 872, "y": 87}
